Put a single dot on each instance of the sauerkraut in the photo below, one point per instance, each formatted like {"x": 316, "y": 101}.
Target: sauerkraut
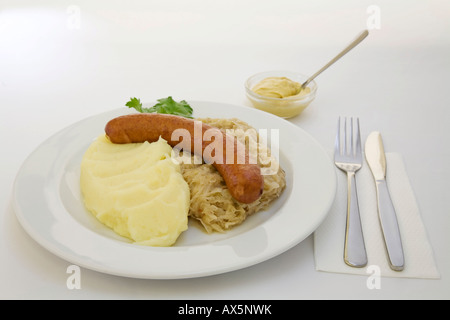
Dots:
{"x": 211, "y": 202}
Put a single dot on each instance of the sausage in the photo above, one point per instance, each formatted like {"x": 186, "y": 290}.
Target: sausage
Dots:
{"x": 243, "y": 178}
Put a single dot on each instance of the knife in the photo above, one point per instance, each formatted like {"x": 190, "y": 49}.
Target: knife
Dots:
{"x": 376, "y": 159}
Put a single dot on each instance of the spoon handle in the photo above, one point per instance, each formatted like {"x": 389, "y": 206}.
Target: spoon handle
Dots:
{"x": 354, "y": 43}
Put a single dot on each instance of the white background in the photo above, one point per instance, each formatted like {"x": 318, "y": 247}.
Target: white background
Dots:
{"x": 63, "y": 61}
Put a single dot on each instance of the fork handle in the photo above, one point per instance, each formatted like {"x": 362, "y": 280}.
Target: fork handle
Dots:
{"x": 354, "y": 249}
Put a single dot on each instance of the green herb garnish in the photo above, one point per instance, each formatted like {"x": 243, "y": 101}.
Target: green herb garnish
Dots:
{"x": 165, "y": 105}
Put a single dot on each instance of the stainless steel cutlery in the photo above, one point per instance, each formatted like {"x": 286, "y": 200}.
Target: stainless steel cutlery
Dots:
{"x": 348, "y": 158}
{"x": 376, "y": 159}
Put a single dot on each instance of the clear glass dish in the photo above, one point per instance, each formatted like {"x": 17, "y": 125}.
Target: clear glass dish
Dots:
{"x": 287, "y": 107}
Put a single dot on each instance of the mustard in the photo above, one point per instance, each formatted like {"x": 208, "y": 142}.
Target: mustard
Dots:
{"x": 279, "y": 87}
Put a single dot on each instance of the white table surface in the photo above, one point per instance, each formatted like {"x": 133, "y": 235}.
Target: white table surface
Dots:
{"x": 63, "y": 61}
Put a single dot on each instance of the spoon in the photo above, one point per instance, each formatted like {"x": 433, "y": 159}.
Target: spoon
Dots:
{"x": 354, "y": 43}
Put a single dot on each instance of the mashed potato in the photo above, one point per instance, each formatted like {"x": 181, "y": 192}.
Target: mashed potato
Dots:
{"x": 136, "y": 189}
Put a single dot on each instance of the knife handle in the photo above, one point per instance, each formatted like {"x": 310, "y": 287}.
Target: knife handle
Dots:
{"x": 354, "y": 248}
{"x": 389, "y": 226}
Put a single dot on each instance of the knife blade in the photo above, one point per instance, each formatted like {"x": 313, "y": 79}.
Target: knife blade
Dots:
{"x": 376, "y": 158}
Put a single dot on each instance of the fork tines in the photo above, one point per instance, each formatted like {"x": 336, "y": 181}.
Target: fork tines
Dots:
{"x": 349, "y": 145}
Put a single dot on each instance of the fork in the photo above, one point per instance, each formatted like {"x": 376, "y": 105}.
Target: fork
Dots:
{"x": 348, "y": 158}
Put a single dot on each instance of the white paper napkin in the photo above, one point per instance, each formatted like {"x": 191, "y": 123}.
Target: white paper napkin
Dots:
{"x": 329, "y": 237}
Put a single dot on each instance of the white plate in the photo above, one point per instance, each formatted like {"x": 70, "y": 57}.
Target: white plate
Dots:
{"x": 48, "y": 204}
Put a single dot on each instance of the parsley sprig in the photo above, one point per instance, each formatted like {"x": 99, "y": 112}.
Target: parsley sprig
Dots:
{"x": 165, "y": 105}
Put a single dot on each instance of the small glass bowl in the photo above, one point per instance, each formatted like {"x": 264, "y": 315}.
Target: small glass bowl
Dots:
{"x": 283, "y": 107}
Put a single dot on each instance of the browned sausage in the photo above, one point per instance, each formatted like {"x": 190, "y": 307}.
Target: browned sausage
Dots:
{"x": 243, "y": 179}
